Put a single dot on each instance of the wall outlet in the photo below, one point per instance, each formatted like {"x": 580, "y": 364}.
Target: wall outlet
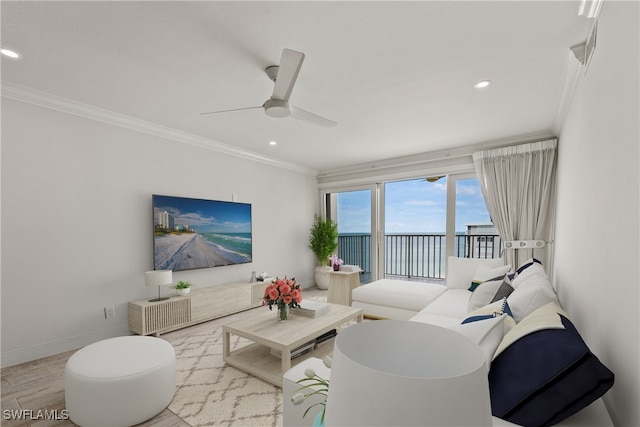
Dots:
{"x": 109, "y": 312}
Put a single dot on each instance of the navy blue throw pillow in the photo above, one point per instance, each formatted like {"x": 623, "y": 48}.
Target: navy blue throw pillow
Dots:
{"x": 545, "y": 377}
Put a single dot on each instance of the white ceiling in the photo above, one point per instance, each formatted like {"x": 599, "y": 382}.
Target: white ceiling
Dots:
{"x": 397, "y": 76}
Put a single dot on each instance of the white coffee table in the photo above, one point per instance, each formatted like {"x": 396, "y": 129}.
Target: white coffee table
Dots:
{"x": 267, "y": 333}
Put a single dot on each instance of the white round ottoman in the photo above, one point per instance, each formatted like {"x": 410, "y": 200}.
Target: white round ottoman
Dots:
{"x": 120, "y": 381}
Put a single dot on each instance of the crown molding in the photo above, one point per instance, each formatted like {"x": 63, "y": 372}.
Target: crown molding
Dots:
{"x": 572, "y": 75}
{"x": 576, "y": 64}
{"x": 452, "y": 160}
{"x": 68, "y": 106}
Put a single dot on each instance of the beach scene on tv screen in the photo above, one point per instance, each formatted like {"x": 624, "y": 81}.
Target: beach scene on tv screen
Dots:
{"x": 196, "y": 233}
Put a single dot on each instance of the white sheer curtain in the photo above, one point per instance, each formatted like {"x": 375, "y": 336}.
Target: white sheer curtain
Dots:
{"x": 518, "y": 184}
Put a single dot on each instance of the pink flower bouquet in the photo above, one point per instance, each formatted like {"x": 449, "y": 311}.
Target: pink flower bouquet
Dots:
{"x": 282, "y": 292}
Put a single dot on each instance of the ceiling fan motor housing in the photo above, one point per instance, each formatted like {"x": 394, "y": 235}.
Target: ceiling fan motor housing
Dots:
{"x": 272, "y": 71}
{"x": 277, "y": 108}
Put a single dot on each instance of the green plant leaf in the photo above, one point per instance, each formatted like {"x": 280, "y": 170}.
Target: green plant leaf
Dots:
{"x": 323, "y": 239}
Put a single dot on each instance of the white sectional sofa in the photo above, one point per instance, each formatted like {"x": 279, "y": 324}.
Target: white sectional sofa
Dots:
{"x": 402, "y": 300}
{"x": 540, "y": 370}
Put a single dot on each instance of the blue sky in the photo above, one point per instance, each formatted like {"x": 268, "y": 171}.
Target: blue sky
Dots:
{"x": 205, "y": 215}
{"x": 414, "y": 206}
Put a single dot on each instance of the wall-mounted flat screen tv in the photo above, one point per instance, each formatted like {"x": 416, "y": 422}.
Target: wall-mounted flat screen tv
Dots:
{"x": 195, "y": 233}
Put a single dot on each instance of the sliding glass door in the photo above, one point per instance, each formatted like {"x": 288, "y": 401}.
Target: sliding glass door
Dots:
{"x": 415, "y": 213}
{"x": 353, "y": 210}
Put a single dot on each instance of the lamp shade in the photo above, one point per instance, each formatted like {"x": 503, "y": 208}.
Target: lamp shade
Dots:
{"x": 402, "y": 373}
{"x": 158, "y": 277}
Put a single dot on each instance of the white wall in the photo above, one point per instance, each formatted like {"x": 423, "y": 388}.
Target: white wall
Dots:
{"x": 77, "y": 223}
{"x": 597, "y": 233}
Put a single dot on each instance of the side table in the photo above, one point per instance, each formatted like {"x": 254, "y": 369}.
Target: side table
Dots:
{"x": 341, "y": 283}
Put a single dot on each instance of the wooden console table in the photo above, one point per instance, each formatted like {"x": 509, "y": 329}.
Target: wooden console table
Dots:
{"x": 200, "y": 305}
{"x": 341, "y": 283}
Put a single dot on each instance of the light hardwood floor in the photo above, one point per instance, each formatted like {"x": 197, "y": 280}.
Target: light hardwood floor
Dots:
{"x": 39, "y": 385}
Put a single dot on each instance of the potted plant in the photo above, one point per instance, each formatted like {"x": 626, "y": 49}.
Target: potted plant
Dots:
{"x": 315, "y": 386}
{"x": 182, "y": 287}
{"x": 323, "y": 241}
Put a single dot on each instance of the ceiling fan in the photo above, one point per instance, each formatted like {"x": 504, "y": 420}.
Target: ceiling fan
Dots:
{"x": 284, "y": 76}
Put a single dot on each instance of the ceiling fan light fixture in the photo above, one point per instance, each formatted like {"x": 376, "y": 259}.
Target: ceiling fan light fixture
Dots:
{"x": 277, "y": 108}
{"x": 482, "y": 84}
{"x": 433, "y": 179}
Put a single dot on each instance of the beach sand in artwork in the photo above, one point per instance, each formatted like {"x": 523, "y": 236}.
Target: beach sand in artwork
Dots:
{"x": 186, "y": 251}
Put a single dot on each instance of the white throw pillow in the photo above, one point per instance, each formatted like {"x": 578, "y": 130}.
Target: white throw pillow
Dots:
{"x": 487, "y": 292}
{"x": 495, "y": 308}
{"x": 484, "y": 272}
{"x": 533, "y": 270}
{"x": 460, "y": 271}
{"x": 488, "y": 334}
{"x": 487, "y": 326}
{"x": 530, "y": 295}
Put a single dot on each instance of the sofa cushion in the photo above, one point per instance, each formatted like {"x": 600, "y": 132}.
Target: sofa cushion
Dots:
{"x": 461, "y": 271}
{"x": 452, "y": 303}
{"x": 377, "y": 311}
{"x": 436, "y": 319}
{"x": 546, "y": 376}
{"x": 403, "y": 294}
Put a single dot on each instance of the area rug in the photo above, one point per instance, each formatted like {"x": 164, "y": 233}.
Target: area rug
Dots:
{"x": 211, "y": 393}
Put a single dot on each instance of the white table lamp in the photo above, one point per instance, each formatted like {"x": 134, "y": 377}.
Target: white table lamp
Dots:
{"x": 158, "y": 278}
{"x": 402, "y": 373}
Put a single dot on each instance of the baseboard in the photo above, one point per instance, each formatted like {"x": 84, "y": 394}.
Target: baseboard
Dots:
{"x": 27, "y": 354}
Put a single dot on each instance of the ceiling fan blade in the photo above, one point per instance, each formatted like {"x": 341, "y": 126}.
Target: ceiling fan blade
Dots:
{"x": 228, "y": 111}
{"x": 311, "y": 118}
{"x": 290, "y": 64}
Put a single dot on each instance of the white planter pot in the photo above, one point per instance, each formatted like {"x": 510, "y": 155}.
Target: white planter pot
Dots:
{"x": 322, "y": 276}
{"x": 183, "y": 291}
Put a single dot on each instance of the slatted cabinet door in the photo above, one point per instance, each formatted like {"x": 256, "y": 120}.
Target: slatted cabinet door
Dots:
{"x": 200, "y": 305}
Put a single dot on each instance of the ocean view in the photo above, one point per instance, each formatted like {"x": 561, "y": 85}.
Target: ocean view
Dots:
{"x": 235, "y": 247}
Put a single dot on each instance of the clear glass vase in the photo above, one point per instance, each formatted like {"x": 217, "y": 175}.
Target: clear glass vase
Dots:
{"x": 283, "y": 311}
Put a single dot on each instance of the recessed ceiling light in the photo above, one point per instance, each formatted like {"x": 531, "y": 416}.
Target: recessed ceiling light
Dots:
{"x": 10, "y": 53}
{"x": 482, "y": 83}
{"x": 273, "y": 143}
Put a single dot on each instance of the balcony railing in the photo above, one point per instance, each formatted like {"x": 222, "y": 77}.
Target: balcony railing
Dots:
{"x": 416, "y": 255}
